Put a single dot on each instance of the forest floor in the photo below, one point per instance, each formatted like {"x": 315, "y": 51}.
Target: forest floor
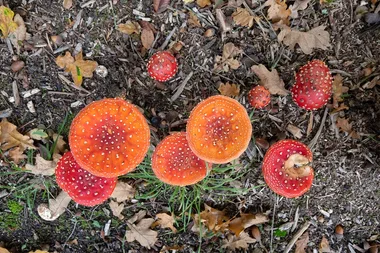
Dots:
{"x": 346, "y": 151}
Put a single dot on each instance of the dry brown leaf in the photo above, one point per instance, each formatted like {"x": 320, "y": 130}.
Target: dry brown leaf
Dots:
{"x": 315, "y": 38}
{"x": 203, "y": 3}
{"x": 193, "y": 20}
{"x": 67, "y": 4}
{"x": 278, "y": 11}
{"x": 160, "y": 5}
{"x": 298, "y": 5}
{"x": 227, "y": 60}
{"x": 142, "y": 233}
{"x": 295, "y": 131}
{"x": 301, "y": 243}
{"x": 229, "y": 90}
{"x": 214, "y": 219}
{"x": 19, "y": 34}
{"x": 147, "y": 38}
{"x": 345, "y": 126}
{"x": 56, "y": 207}
{"x": 375, "y": 81}
{"x": 116, "y": 209}
{"x": 43, "y": 167}
{"x": 338, "y": 90}
{"x": 270, "y": 80}
{"x": 7, "y": 24}
{"x": 324, "y": 246}
{"x": 129, "y": 27}
{"x": 10, "y": 137}
{"x": 165, "y": 221}
{"x": 234, "y": 242}
{"x": 60, "y": 146}
{"x": 242, "y": 17}
{"x": 3, "y": 250}
{"x": 78, "y": 68}
{"x": 246, "y": 220}
{"x": 123, "y": 191}
{"x": 16, "y": 155}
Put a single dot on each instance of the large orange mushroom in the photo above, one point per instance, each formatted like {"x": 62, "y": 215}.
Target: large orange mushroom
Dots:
{"x": 109, "y": 137}
{"x": 219, "y": 129}
{"x": 174, "y": 163}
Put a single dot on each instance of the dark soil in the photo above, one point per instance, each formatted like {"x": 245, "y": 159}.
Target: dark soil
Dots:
{"x": 347, "y": 174}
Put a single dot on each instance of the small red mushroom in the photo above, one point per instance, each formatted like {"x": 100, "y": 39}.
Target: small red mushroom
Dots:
{"x": 219, "y": 129}
{"x": 83, "y": 187}
{"x": 162, "y": 66}
{"x": 109, "y": 137}
{"x": 286, "y": 168}
{"x": 259, "y": 97}
{"x": 313, "y": 86}
{"x": 174, "y": 163}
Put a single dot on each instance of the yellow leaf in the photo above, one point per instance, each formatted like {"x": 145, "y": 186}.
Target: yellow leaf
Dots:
{"x": 270, "y": 80}
{"x": 7, "y": 24}
{"x": 242, "y": 17}
{"x": 203, "y": 3}
{"x": 64, "y": 61}
{"x": 229, "y": 90}
{"x": 278, "y": 11}
{"x": 246, "y": 220}
{"x": 10, "y": 137}
{"x": 315, "y": 38}
{"x": 19, "y": 34}
{"x": 129, "y": 27}
{"x": 165, "y": 221}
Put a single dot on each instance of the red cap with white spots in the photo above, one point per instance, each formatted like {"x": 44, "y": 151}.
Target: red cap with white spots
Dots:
{"x": 259, "y": 97}
{"x": 174, "y": 163}
{"x": 109, "y": 137}
{"x": 313, "y": 86}
{"x": 162, "y": 66}
{"x": 83, "y": 187}
{"x": 219, "y": 129}
{"x": 286, "y": 168}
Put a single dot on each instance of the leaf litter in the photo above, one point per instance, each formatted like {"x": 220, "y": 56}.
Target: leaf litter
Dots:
{"x": 139, "y": 230}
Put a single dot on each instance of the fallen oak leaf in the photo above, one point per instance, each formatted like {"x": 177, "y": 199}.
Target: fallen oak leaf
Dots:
{"x": 338, "y": 90}
{"x": 194, "y": 20}
{"x": 116, "y": 209}
{"x": 234, "y": 242}
{"x": 19, "y": 34}
{"x": 295, "y": 131}
{"x": 3, "y": 250}
{"x": 242, "y": 17}
{"x": 142, "y": 233}
{"x": 301, "y": 243}
{"x": 123, "y": 191}
{"x": 129, "y": 27}
{"x": 315, "y": 38}
{"x": 203, "y": 3}
{"x": 55, "y": 208}
{"x": 246, "y": 220}
{"x": 278, "y": 11}
{"x": 165, "y": 221}
{"x": 346, "y": 127}
{"x": 214, "y": 219}
{"x": 270, "y": 80}
{"x": 43, "y": 167}
{"x": 16, "y": 155}
{"x": 229, "y": 90}
{"x": 324, "y": 246}
{"x": 10, "y": 137}
{"x": 60, "y": 144}
{"x": 298, "y": 5}
{"x": 227, "y": 60}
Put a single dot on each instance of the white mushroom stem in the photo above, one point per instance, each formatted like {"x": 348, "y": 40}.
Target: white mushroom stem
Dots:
{"x": 297, "y": 166}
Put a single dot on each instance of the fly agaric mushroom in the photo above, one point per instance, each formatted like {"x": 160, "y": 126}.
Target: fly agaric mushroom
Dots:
{"x": 219, "y": 129}
{"x": 83, "y": 187}
{"x": 313, "y": 85}
{"x": 174, "y": 163}
{"x": 259, "y": 97}
{"x": 162, "y": 66}
{"x": 286, "y": 168}
{"x": 109, "y": 137}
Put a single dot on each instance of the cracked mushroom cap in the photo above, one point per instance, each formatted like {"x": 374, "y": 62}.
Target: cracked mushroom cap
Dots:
{"x": 83, "y": 187}
{"x": 313, "y": 86}
{"x": 174, "y": 163}
{"x": 162, "y": 66}
{"x": 219, "y": 129}
{"x": 286, "y": 168}
{"x": 109, "y": 137}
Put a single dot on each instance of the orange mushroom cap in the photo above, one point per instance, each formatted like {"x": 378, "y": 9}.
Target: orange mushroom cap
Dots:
{"x": 219, "y": 129}
{"x": 109, "y": 137}
{"x": 174, "y": 163}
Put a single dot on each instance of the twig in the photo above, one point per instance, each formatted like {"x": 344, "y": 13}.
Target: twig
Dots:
{"x": 296, "y": 236}
{"x": 181, "y": 87}
{"x": 71, "y": 84}
{"x": 271, "y": 228}
{"x": 315, "y": 139}
{"x": 166, "y": 42}
{"x": 72, "y": 232}
{"x": 214, "y": 73}
{"x": 338, "y": 71}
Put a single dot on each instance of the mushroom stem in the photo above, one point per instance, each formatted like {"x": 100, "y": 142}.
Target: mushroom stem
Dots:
{"x": 297, "y": 166}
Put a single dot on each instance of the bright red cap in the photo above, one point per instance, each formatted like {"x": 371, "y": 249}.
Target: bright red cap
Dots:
{"x": 109, "y": 137}
{"x": 259, "y": 97}
{"x": 286, "y": 168}
{"x": 174, "y": 163}
{"x": 313, "y": 86}
{"x": 219, "y": 129}
{"x": 83, "y": 187}
{"x": 162, "y": 66}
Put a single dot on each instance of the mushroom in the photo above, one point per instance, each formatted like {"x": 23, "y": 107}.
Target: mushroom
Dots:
{"x": 162, "y": 66}
{"x": 313, "y": 86}
{"x": 83, "y": 187}
{"x": 219, "y": 129}
{"x": 109, "y": 137}
{"x": 286, "y": 168}
{"x": 259, "y": 97}
{"x": 174, "y": 163}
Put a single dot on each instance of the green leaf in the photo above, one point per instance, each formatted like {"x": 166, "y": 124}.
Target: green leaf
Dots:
{"x": 280, "y": 233}
{"x": 38, "y": 134}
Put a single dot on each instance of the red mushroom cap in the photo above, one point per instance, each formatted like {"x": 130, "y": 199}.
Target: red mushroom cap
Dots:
{"x": 259, "y": 97}
{"x": 219, "y": 129}
{"x": 174, "y": 163}
{"x": 83, "y": 187}
{"x": 313, "y": 85}
{"x": 286, "y": 168}
{"x": 109, "y": 137}
{"x": 162, "y": 66}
